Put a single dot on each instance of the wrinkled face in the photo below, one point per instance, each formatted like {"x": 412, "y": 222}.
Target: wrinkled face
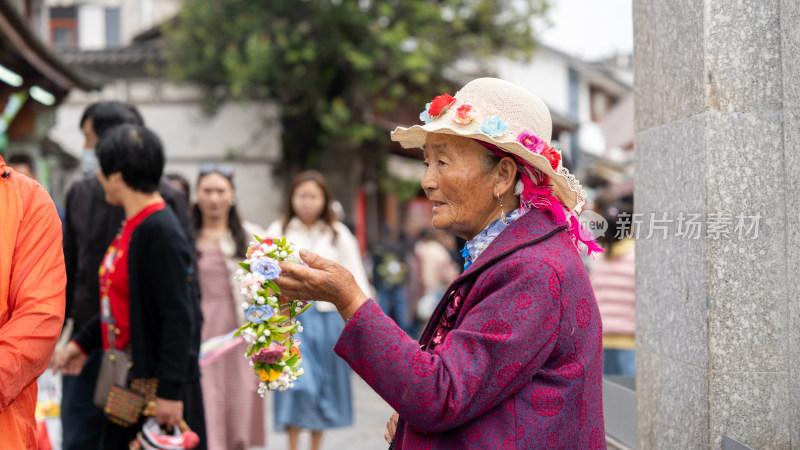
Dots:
{"x": 308, "y": 201}
{"x": 214, "y": 196}
{"x": 89, "y": 136}
{"x": 460, "y": 185}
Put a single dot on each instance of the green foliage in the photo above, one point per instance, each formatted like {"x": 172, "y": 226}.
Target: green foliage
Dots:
{"x": 401, "y": 188}
{"x": 334, "y": 64}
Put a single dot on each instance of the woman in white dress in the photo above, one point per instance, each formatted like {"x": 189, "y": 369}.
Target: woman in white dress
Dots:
{"x": 321, "y": 398}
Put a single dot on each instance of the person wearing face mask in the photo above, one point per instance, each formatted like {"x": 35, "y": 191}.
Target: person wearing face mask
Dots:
{"x": 90, "y": 224}
{"x": 321, "y": 398}
{"x": 234, "y": 411}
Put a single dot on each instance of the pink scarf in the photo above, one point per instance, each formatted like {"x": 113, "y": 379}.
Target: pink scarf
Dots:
{"x": 537, "y": 194}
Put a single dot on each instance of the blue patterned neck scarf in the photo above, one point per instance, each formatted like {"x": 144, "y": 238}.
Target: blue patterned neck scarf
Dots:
{"x": 478, "y": 244}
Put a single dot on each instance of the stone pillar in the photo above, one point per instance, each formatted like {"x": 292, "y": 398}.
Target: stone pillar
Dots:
{"x": 717, "y": 91}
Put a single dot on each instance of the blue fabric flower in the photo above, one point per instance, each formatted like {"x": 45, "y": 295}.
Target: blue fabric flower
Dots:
{"x": 266, "y": 267}
{"x": 494, "y": 126}
{"x": 424, "y": 116}
{"x": 258, "y": 313}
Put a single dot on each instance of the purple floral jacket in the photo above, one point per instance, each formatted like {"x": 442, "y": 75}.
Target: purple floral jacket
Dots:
{"x": 511, "y": 358}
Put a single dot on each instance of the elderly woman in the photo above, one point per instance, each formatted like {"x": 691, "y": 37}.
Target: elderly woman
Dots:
{"x": 511, "y": 357}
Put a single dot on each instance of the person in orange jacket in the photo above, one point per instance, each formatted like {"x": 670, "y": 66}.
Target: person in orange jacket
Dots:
{"x": 32, "y": 285}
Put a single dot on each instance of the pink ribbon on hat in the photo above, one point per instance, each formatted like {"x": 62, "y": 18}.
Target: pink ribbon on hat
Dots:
{"x": 540, "y": 196}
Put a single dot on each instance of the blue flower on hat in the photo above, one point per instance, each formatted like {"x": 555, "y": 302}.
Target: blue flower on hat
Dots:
{"x": 266, "y": 267}
{"x": 424, "y": 116}
{"x": 494, "y": 126}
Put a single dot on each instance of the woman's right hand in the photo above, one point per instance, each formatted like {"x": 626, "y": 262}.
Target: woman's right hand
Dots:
{"x": 70, "y": 360}
{"x": 169, "y": 412}
{"x": 323, "y": 279}
{"x": 391, "y": 428}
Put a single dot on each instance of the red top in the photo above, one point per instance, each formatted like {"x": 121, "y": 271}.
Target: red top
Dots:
{"x": 114, "y": 282}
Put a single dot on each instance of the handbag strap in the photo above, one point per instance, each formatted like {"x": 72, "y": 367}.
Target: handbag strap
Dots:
{"x": 111, "y": 326}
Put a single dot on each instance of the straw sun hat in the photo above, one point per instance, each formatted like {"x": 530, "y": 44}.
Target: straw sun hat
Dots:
{"x": 505, "y": 115}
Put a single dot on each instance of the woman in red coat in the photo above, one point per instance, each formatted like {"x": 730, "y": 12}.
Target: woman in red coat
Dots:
{"x": 511, "y": 357}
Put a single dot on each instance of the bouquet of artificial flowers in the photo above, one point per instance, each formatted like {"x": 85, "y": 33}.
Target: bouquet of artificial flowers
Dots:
{"x": 270, "y": 326}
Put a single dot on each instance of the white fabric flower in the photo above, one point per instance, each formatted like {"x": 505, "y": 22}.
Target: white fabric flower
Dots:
{"x": 249, "y": 336}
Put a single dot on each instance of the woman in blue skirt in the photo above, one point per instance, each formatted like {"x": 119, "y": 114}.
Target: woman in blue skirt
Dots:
{"x": 322, "y": 397}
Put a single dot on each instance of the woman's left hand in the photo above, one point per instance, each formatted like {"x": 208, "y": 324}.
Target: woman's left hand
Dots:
{"x": 391, "y": 428}
{"x": 323, "y": 279}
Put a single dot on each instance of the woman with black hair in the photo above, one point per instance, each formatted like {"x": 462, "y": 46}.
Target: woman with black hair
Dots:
{"x": 234, "y": 411}
{"x": 148, "y": 301}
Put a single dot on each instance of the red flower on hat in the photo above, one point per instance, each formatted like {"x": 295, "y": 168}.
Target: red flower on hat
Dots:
{"x": 440, "y": 105}
{"x": 552, "y": 156}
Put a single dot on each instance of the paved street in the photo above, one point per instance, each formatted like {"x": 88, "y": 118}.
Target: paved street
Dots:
{"x": 371, "y": 414}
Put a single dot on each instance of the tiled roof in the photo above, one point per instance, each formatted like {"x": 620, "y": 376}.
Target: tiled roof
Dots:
{"x": 133, "y": 54}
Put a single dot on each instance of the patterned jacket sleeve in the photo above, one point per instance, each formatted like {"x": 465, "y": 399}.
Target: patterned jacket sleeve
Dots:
{"x": 503, "y": 340}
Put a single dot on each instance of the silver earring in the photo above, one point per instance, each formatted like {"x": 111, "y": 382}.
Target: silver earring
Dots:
{"x": 502, "y": 212}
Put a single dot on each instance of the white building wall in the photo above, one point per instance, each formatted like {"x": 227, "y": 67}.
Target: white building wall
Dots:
{"x": 136, "y": 16}
{"x": 546, "y": 75}
{"x": 590, "y": 134}
{"x": 141, "y": 15}
{"x": 91, "y": 27}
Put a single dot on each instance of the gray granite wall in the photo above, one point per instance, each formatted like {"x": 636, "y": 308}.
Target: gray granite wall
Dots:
{"x": 790, "y": 59}
{"x": 717, "y": 90}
